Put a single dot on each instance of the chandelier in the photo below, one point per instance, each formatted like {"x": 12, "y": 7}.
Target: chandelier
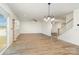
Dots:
{"x": 47, "y": 18}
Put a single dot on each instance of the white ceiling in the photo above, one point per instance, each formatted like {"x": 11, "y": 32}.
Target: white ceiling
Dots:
{"x": 28, "y": 11}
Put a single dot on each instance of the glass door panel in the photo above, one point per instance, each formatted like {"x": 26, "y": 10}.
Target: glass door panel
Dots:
{"x": 3, "y": 36}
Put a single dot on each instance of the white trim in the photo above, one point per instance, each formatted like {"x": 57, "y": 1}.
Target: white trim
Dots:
{"x": 4, "y": 49}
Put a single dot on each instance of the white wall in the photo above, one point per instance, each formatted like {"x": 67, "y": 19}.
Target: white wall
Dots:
{"x": 72, "y": 35}
{"x": 30, "y": 27}
{"x": 46, "y": 28}
{"x": 69, "y": 17}
{"x": 35, "y": 27}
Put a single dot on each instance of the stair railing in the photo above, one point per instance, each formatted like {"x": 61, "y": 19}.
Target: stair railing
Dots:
{"x": 66, "y": 27}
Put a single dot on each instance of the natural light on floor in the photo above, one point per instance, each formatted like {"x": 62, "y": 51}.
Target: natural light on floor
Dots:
{"x": 2, "y": 37}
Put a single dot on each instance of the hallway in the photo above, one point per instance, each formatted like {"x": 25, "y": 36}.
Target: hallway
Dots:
{"x": 39, "y": 44}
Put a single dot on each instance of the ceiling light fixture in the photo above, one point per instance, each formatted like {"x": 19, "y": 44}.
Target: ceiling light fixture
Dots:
{"x": 47, "y": 18}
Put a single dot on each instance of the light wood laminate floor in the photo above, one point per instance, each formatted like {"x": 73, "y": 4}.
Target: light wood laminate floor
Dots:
{"x": 38, "y": 44}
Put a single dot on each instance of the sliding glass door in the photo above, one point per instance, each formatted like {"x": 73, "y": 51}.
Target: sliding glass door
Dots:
{"x": 3, "y": 31}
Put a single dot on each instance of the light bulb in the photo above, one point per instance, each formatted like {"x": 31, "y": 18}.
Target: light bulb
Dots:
{"x": 48, "y": 18}
{"x": 52, "y": 19}
{"x": 45, "y": 19}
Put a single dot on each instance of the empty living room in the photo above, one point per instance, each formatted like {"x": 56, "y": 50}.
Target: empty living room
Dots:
{"x": 39, "y": 28}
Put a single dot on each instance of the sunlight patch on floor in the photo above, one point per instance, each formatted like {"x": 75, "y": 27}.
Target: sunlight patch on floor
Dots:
{"x": 2, "y": 41}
